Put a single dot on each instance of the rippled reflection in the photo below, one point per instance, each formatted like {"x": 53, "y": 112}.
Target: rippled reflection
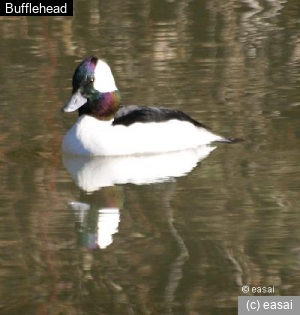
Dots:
{"x": 108, "y": 221}
{"x": 92, "y": 173}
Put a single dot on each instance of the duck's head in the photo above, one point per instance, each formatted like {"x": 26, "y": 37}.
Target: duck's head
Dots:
{"x": 93, "y": 84}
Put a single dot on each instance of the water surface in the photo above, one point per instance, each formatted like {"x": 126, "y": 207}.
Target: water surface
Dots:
{"x": 83, "y": 237}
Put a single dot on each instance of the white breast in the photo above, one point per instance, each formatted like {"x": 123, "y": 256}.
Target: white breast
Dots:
{"x": 90, "y": 136}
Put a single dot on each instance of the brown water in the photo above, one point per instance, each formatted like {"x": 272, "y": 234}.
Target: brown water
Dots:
{"x": 89, "y": 242}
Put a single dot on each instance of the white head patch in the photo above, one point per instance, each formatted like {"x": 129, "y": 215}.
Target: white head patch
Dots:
{"x": 103, "y": 79}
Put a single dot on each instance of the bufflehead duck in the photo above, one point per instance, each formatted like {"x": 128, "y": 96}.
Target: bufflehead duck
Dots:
{"x": 104, "y": 128}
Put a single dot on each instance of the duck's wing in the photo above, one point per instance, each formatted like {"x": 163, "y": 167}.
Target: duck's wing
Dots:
{"x": 131, "y": 114}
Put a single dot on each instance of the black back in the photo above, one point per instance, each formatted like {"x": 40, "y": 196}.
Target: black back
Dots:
{"x": 129, "y": 115}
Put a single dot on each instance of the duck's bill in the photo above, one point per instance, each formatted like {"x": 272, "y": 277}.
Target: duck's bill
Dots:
{"x": 76, "y": 101}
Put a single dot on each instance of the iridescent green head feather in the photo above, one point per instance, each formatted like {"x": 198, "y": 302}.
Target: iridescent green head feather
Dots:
{"x": 91, "y": 79}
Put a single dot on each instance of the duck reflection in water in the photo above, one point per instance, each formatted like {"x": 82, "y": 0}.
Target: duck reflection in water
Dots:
{"x": 99, "y": 219}
{"x": 140, "y": 234}
{"x": 93, "y": 173}
{"x": 98, "y": 222}
{"x": 96, "y": 226}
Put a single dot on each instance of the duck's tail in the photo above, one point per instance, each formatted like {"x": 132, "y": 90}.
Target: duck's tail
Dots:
{"x": 230, "y": 140}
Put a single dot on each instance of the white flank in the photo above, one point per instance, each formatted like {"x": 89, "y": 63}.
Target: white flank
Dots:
{"x": 92, "y": 137}
{"x": 104, "y": 81}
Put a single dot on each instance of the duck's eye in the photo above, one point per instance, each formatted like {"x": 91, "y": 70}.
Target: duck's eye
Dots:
{"x": 91, "y": 79}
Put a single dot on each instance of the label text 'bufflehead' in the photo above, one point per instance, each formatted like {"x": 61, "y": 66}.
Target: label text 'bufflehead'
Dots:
{"x": 34, "y": 7}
